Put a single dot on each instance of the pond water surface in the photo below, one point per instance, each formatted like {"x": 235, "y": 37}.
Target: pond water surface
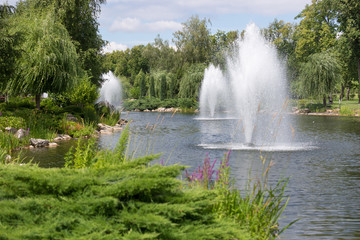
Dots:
{"x": 322, "y": 161}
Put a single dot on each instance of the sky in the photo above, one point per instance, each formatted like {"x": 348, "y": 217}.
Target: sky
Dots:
{"x": 126, "y": 23}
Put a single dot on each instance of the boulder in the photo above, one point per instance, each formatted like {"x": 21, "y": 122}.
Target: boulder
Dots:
{"x": 122, "y": 122}
{"x": 11, "y": 130}
{"x": 20, "y": 133}
{"x": 39, "y": 142}
{"x": 62, "y": 137}
{"x": 117, "y": 128}
{"x": 51, "y": 145}
{"x": 105, "y": 132}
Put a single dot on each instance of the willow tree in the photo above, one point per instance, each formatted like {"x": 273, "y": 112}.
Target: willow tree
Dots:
{"x": 80, "y": 20}
{"x": 48, "y": 61}
{"x": 320, "y": 74}
{"x": 7, "y": 41}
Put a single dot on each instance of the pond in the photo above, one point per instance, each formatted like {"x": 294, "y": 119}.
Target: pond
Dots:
{"x": 322, "y": 162}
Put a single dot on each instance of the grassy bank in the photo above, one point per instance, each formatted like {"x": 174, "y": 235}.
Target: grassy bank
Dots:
{"x": 151, "y": 103}
{"x": 51, "y": 120}
{"x": 103, "y": 194}
{"x": 345, "y": 108}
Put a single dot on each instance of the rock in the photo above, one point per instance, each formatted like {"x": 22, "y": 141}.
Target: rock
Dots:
{"x": 71, "y": 118}
{"x": 105, "y": 132}
{"x": 66, "y": 137}
{"x": 57, "y": 139}
{"x": 122, "y": 122}
{"x": 161, "y": 109}
{"x": 62, "y": 137}
{"x": 146, "y": 110}
{"x": 21, "y": 133}
{"x": 39, "y": 142}
{"x": 117, "y": 129}
{"x": 7, "y": 158}
{"x": 294, "y": 109}
{"x": 53, "y": 144}
{"x": 105, "y": 127}
{"x": 11, "y": 130}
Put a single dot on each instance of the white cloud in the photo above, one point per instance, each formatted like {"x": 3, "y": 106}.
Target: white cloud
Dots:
{"x": 266, "y": 7}
{"x": 126, "y": 25}
{"x": 113, "y": 46}
{"x": 162, "y": 15}
{"x": 163, "y": 26}
{"x": 135, "y": 25}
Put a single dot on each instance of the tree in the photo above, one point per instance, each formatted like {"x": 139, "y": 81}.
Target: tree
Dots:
{"x": 48, "y": 61}
{"x": 193, "y": 41}
{"x": 7, "y": 41}
{"x": 80, "y": 20}
{"x": 320, "y": 74}
{"x": 191, "y": 81}
{"x": 317, "y": 29}
{"x": 349, "y": 19}
{"x": 140, "y": 78}
{"x": 163, "y": 87}
{"x": 281, "y": 34}
{"x": 152, "y": 86}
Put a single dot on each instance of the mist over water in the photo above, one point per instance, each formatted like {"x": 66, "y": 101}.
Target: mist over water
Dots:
{"x": 110, "y": 92}
{"x": 251, "y": 89}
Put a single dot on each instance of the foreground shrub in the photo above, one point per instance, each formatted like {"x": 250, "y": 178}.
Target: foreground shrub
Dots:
{"x": 117, "y": 199}
{"x": 15, "y": 122}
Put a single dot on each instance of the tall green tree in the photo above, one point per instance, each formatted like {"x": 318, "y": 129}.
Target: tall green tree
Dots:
{"x": 193, "y": 41}
{"x": 80, "y": 20}
{"x": 317, "y": 29}
{"x": 48, "y": 61}
{"x": 191, "y": 81}
{"x": 320, "y": 74}
{"x": 7, "y": 41}
{"x": 349, "y": 19}
{"x": 152, "y": 86}
{"x": 163, "y": 87}
{"x": 142, "y": 83}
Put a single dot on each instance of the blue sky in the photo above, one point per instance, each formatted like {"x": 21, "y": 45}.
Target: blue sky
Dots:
{"x": 126, "y": 23}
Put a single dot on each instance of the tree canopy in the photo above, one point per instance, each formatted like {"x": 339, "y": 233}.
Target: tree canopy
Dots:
{"x": 48, "y": 61}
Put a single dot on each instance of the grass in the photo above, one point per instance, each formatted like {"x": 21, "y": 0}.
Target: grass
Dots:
{"x": 348, "y": 108}
{"x": 48, "y": 122}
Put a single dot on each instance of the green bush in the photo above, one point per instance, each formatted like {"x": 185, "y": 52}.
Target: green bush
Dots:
{"x": 15, "y": 122}
{"x": 346, "y": 111}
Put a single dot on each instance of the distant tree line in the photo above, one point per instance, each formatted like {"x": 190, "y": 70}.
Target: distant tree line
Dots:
{"x": 165, "y": 71}
{"x": 54, "y": 46}
{"x": 322, "y": 53}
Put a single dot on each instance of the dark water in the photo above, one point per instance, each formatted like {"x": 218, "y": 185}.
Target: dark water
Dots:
{"x": 322, "y": 160}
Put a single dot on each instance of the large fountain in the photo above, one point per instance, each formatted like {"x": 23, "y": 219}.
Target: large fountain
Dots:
{"x": 110, "y": 92}
{"x": 251, "y": 89}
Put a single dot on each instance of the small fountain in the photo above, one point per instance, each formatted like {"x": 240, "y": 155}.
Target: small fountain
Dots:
{"x": 110, "y": 92}
{"x": 252, "y": 89}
